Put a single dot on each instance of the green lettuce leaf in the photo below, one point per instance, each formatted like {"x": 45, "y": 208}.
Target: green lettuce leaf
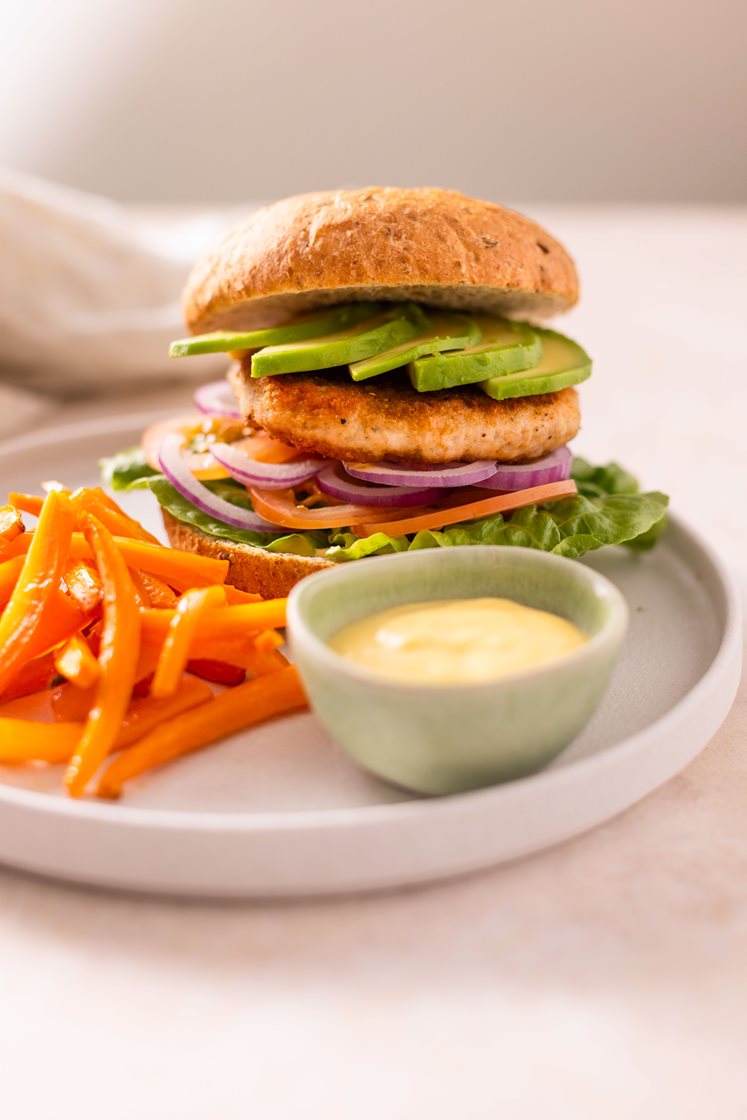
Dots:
{"x": 607, "y": 510}
{"x": 346, "y": 546}
{"x": 127, "y": 470}
{"x": 610, "y": 479}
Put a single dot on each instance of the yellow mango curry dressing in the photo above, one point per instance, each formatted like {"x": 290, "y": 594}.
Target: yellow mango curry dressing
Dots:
{"x": 456, "y": 641}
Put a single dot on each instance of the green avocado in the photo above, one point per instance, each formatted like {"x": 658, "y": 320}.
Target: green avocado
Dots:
{"x": 396, "y": 325}
{"x": 313, "y": 325}
{"x": 563, "y": 363}
{"x": 444, "y": 331}
{"x": 504, "y": 346}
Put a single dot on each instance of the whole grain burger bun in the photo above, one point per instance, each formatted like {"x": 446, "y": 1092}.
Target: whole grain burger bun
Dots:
{"x": 269, "y": 574}
{"x": 433, "y": 246}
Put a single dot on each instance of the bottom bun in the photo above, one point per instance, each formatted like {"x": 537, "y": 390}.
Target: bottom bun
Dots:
{"x": 269, "y": 574}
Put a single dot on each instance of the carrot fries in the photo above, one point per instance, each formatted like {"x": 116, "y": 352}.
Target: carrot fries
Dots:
{"x": 237, "y": 708}
{"x": 11, "y": 524}
{"x": 113, "y": 631}
{"x": 75, "y": 661}
{"x": 27, "y": 611}
{"x": 183, "y": 627}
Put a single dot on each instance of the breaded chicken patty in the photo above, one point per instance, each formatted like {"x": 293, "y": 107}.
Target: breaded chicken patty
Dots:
{"x": 385, "y": 419}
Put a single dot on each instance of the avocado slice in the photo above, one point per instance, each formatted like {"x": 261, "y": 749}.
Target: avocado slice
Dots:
{"x": 563, "y": 363}
{"x": 442, "y": 332}
{"x": 504, "y": 346}
{"x": 313, "y": 325}
{"x": 390, "y": 328}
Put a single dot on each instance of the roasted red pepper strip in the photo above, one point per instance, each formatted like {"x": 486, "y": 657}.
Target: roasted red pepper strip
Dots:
{"x": 217, "y": 671}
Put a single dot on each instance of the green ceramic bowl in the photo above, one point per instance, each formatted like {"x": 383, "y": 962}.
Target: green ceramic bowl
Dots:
{"x": 445, "y": 739}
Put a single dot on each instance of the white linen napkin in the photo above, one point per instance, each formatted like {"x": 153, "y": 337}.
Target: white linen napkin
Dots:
{"x": 89, "y": 293}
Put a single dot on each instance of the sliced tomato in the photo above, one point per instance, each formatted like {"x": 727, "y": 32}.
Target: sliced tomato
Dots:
{"x": 202, "y": 464}
{"x": 257, "y": 446}
{"x": 281, "y": 507}
{"x": 265, "y": 449}
{"x": 217, "y": 671}
{"x": 467, "y": 509}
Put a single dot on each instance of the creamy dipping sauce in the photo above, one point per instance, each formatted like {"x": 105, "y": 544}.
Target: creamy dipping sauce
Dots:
{"x": 456, "y": 641}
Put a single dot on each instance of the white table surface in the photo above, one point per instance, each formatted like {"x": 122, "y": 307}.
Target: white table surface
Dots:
{"x": 606, "y": 978}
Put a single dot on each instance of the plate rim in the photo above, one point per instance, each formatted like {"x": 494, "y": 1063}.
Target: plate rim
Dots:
{"x": 727, "y": 659}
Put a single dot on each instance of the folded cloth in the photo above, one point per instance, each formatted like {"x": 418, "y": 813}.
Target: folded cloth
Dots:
{"x": 89, "y": 288}
{"x": 20, "y": 409}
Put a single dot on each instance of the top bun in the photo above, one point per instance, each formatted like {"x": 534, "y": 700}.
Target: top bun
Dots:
{"x": 434, "y": 246}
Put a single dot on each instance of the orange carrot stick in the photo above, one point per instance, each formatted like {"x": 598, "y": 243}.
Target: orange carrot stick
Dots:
{"x": 261, "y": 662}
{"x": 244, "y": 706}
{"x": 222, "y": 622}
{"x": 83, "y": 583}
{"x": 147, "y": 661}
{"x": 236, "y": 597}
{"x": 60, "y": 622}
{"x": 179, "y": 569}
{"x": 182, "y": 629}
{"x": 9, "y": 573}
{"x": 159, "y": 593}
{"x": 11, "y": 523}
{"x": 94, "y": 500}
{"x": 37, "y": 585}
{"x": 76, "y": 663}
{"x": 17, "y": 547}
{"x": 28, "y": 503}
{"x": 142, "y": 597}
{"x": 71, "y": 704}
{"x": 115, "y": 507}
{"x": 118, "y": 655}
{"x": 146, "y": 714}
{"x": 268, "y": 640}
{"x": 25, "y": 740}
{"x": 238, "y": 650}
{"x": 35, "y": 676}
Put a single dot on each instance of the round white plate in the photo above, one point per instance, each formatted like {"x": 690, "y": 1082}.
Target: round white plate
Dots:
{"x": 281, "y": 810}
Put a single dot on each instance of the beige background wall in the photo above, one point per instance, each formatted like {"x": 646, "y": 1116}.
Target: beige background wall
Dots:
{"x": 222, "y": 100}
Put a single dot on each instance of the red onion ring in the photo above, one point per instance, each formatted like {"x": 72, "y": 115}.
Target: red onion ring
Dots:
{"x": 448, "y": 475}
{"x": 555, "y": 467}
{"x": 182, "y": 479}
{"x": 268, "y": 476}
{"x": 332, "y": 480}
{"x": 217, "y": 398}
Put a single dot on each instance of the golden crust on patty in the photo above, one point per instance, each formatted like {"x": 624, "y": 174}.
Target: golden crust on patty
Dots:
{"x": 384, "y": 418}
